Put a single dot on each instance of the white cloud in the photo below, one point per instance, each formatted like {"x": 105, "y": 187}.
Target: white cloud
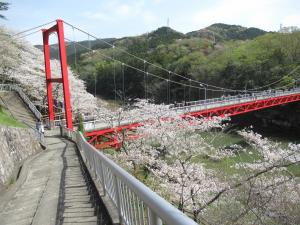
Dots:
{"x": 96, "y": 16}
{"x": 124, "y": 10}
{"x": 149, "y": 18}
{"x": 257, "y": 13}
{"x": 116, "y": 11}
{"x": 291, "y": 20}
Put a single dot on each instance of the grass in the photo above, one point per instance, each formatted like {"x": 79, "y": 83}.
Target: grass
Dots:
{"x": 295, "y": 169}
{"x": 8, "y": 120}
{"x": 227, "y": 165}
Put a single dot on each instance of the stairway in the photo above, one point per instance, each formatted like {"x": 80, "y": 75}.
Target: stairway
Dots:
{"x": 18, "y": 109}
{"x": 75, "y": 200}
{"x": 52, "y": 189}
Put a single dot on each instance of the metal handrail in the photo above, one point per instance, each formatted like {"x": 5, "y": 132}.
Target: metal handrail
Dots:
{"x": 233, "y": 99}
{"x": 135, "y": 202}
{"x": 23, "y": 96}
{"x": 197, "y": 105}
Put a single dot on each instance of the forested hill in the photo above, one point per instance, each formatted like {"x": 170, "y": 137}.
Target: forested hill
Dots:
{"x": 234, "y": 57}
{"x": 225, "y": 32}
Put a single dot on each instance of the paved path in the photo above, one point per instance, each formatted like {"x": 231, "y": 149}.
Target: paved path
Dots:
{"x": 51, "y": 190}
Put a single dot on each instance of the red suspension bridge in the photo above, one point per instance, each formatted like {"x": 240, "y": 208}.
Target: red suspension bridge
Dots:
{"x": 104, "y": 135}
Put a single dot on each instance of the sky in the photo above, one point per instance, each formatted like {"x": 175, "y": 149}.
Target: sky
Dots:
{"x": 119, "y": 18}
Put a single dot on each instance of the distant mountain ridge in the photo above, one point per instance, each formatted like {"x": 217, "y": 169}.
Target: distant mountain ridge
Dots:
{"x": 81, "y": 47}
{"x": 217, "y": 32}
{"x": 225, "y": 32}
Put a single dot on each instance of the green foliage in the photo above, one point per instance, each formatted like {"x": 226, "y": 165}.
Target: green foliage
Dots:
{"x": 3, "y": 7}
{"x": 7, "y": 120}
{"x": 233, "y": 62}
{"x": 287, "y": 81}
{"x": 80, "y": 123}
{"x": 223, "y": 32}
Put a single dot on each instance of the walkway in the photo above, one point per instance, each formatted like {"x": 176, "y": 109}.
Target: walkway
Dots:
{"x": 49, "y": 183}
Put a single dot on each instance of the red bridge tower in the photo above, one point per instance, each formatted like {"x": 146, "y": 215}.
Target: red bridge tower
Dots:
{"x": 59, "y": 29}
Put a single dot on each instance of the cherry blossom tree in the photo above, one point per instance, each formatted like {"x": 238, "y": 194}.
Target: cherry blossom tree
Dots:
{"x": 23, "y": 64}
{"x": 168, "y": 148}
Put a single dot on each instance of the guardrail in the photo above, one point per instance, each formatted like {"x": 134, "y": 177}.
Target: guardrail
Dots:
{"x": 135, "y": 202}
{"x": 197, "y": 106}
{"x": 23, "y": 96}
{"x": 228, "y": 100}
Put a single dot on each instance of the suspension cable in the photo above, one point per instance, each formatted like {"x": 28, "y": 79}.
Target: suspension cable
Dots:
{"x": 159, "y": 77}
{"x": 147, "y": 73}
{"x": 159, "y": 67}
{"x": 114, "y": 72}
{"x": 291, "y": 72}
{"x": 152, "y": 64}
{"x": 145, "y": 80}
{"x": 26, "y": 35}
{"x": 123, "y": 83}
{"x": 176, "y": 74}
{"x": 33, "y": 28}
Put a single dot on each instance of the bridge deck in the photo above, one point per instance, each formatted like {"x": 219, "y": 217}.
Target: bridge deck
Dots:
{"x": 103, "y": 135}
{"x": 50, "y": 190}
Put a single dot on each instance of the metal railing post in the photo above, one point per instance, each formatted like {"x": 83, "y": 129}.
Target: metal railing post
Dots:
{"x": 102, "y": 178}
{"x": 118, "y": 200}
{"x": 154, "y": 219}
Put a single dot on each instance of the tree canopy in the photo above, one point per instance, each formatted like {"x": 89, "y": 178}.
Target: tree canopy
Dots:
{"x": 235, "y": 64}
{"x": 3, "y": 7}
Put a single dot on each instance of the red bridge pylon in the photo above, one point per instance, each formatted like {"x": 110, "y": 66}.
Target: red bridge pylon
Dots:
{"x": 59, "y": 29}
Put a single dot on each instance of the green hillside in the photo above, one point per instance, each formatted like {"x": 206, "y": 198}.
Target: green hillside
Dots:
{"x": 237, "y": 57}
{"x": 225, "y": 32}
{"x": 81, "y": 48}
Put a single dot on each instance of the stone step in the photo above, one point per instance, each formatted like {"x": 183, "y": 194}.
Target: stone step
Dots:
{"x": 76, "y": 191}
{"x": 85, "y": 198}
{"x": 78, "y": 205}
{"x": 80, "y": 219}
{"x": 75, "y": 185}
{"x": 75, "y": 210}
{"x": 85, "y": 223}
{"x": 79, "y": 214}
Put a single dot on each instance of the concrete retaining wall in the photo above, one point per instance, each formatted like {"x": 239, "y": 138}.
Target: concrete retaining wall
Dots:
{"x": 16, "y": 144}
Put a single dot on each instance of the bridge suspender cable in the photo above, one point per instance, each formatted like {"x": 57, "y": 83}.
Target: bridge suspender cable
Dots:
{"x": 114, "y": 73}
{"x": 145, "y": 79}
{"x": 184, "y": 92}
{"x": 74, "y": 45}
{"x": 123, "y": 83}
{"x": 190, "y": 89}
{"x": 95, "y": 75}
{"x": 169, "y": 88}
